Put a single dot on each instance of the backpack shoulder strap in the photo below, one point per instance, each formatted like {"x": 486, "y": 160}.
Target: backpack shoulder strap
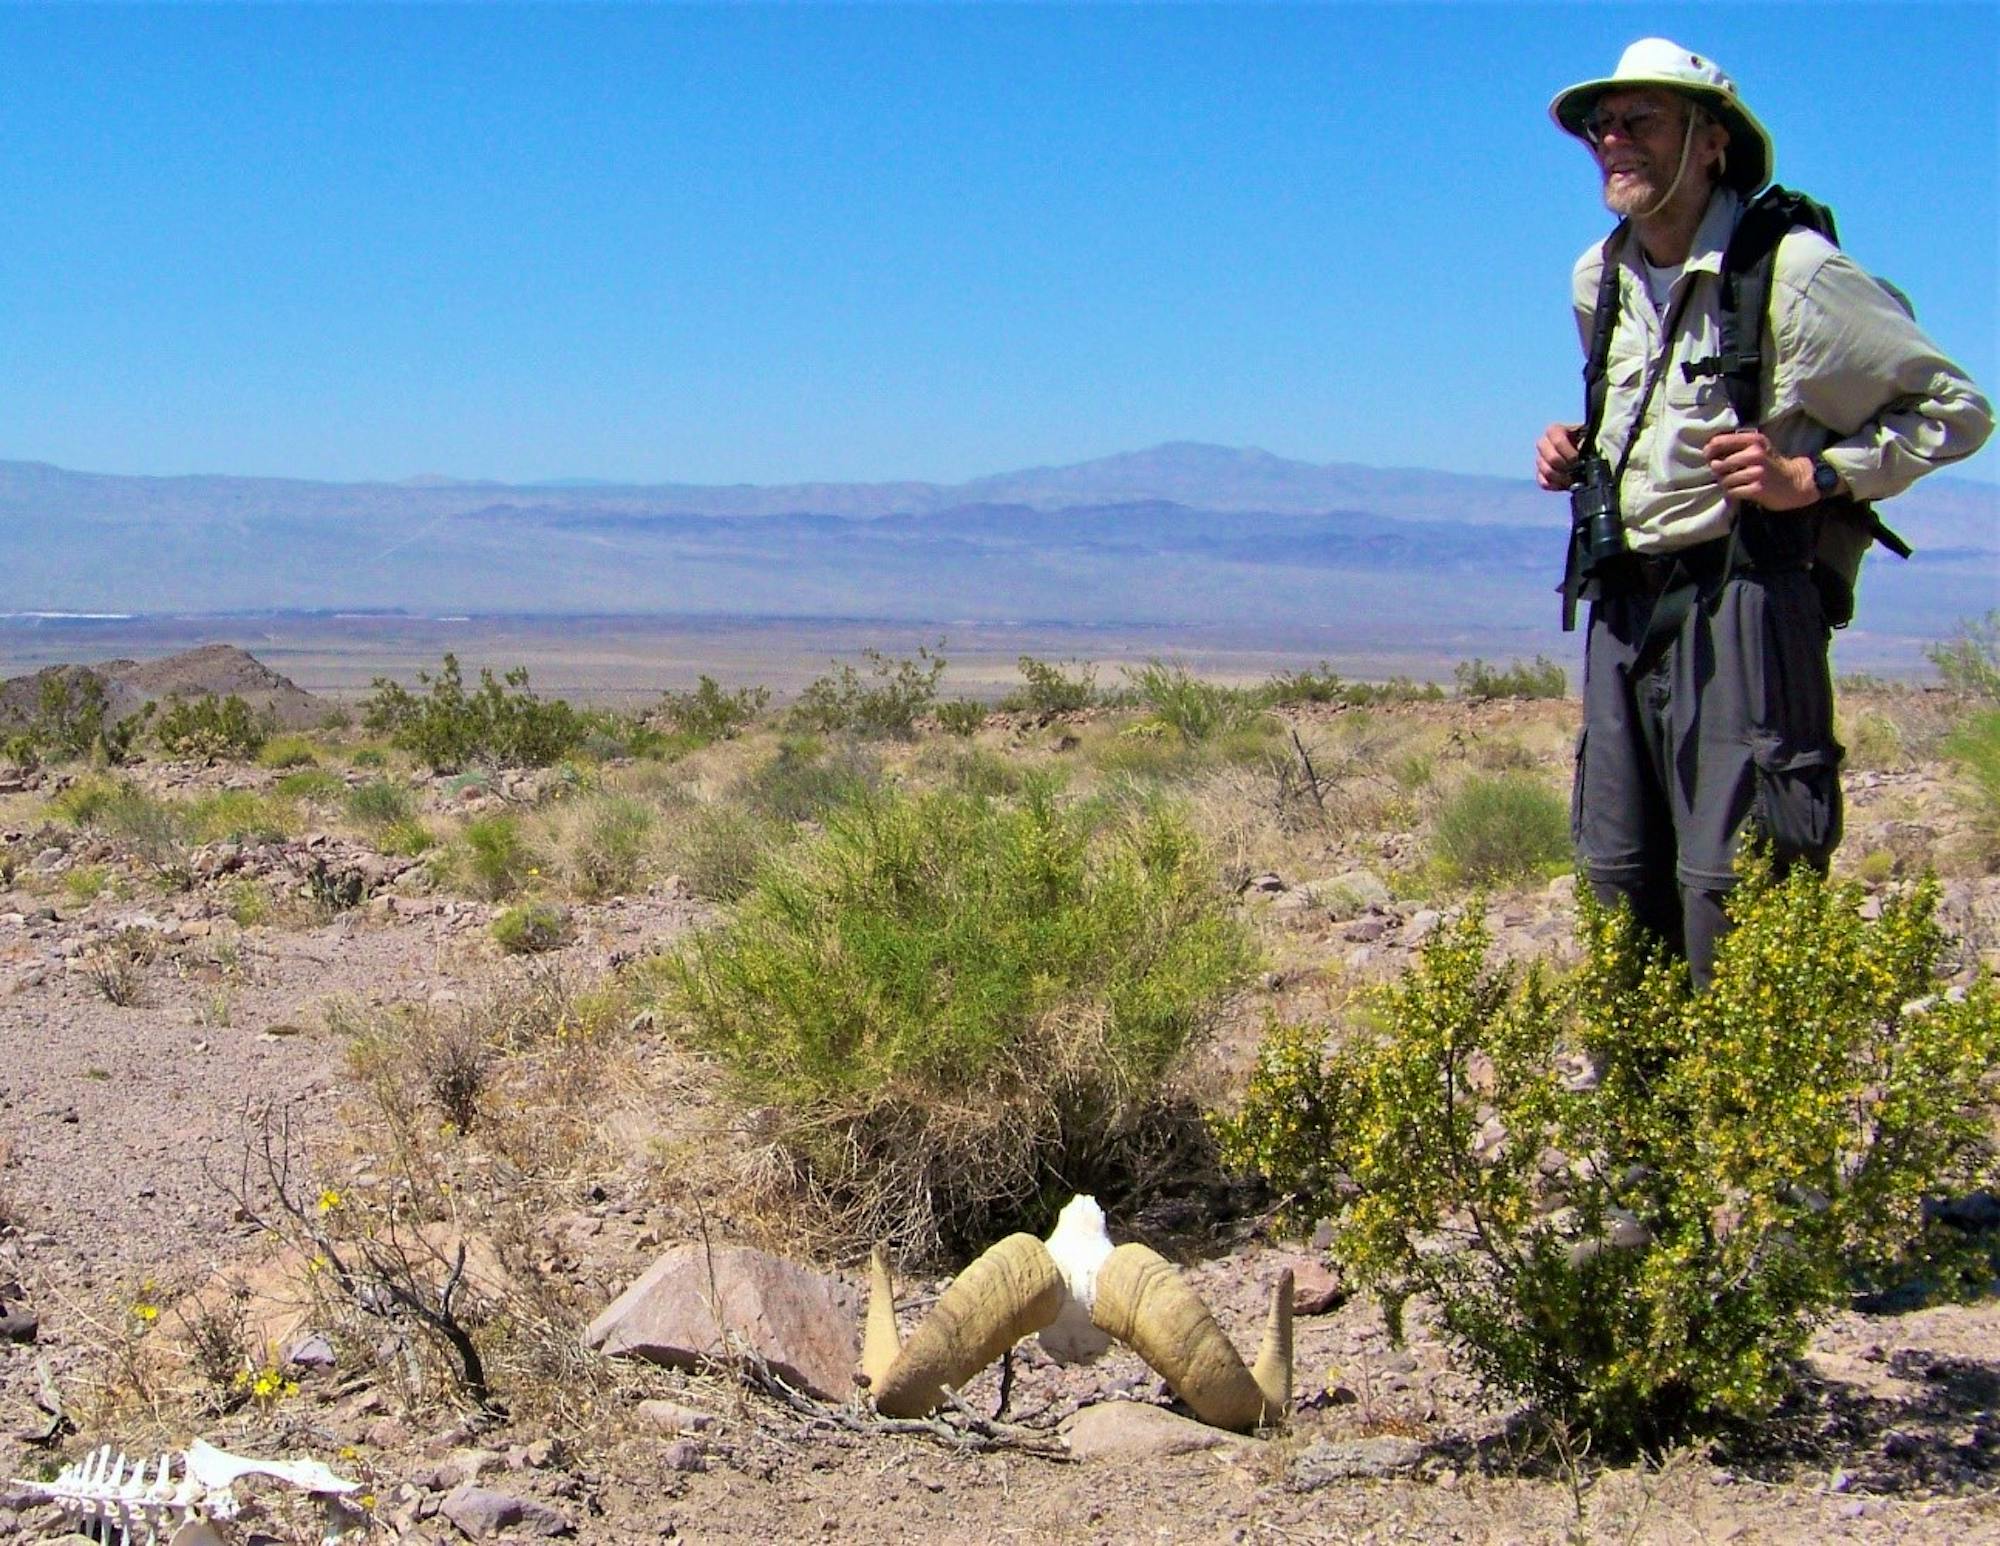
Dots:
{"x": 1603, "y": 323}
{"x": 1746, "y": 293}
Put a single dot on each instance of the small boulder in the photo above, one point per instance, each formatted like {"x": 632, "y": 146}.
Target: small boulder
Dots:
{"x": 480, "y": 1512}
{"x": 697, "y": 1306}
{"x": 1326, "y": 1461}
{"x": 1135, "y": 1430}
{"x": 1317, "y": 1290}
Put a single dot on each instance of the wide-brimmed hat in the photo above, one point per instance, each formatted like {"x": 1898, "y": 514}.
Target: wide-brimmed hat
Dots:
{"x": 1665, "y": 64}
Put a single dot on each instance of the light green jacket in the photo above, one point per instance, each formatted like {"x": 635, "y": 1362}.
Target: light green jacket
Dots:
{"x": 1853, "y": 377}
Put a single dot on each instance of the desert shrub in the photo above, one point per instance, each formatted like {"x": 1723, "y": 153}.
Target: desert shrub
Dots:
{"x": 72, "y": 719}
{"x": 239, "y": 816}
{"x": 884, "y": 703}
{"x": 1975, "y": 749}
{"x": 532, "y": 928}
{"x": 1046, "y": 688}
{"x": 973, "y": 769}
{"x": 1625, "y": 1201}
{"x": 1325, "y": 685}
{"x": 406, "y": 838}
{"x": 288, "y": 751}
{"x": 315, "y": 784}
{"x": 208, "y": 726}
{"x": 805, "y": 779}
{"x": 85, "y": 802}
{"x": 489, "y": 857}
{"x": 86, "y": 883}
{"x": 380, "y": 802}
{"x": 961, "y": 1011}
{"x": 1969, "y": 662}
{"x": 716, "y": 849}
{"x": 368, "y": 757}
{"x": 157, "y": 832}
{"x": 499, "y": 723}
{"x": 1500, "y": 830}
{"x": 597, "y": 845}
{"x": 1193, "y": 709}
{"x": 249, "y": 904}
{"x": 712, "y": 712}
{"x": 961, "y": 716}
{"x": 1541, "y": 678}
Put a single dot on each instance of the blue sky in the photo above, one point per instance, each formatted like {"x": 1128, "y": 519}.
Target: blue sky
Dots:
{"x": 772, "y": 244}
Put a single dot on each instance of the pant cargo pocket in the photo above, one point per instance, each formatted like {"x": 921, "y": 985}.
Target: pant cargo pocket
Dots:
{"x": 1797, "y": 806}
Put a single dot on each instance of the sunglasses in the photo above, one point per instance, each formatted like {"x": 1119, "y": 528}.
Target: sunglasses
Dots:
{"x": 1638, "y": 124}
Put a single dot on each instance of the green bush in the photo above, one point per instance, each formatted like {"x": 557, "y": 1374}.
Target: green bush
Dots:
{"x": 804, "y": 780}
{"x": 711, "y": 712}
{"x": 1325, "y": 685}
{"x": 717, "y": 849}
{"x": 961, "y": 716}
{"x": 488, "y": 858}
{"x": 314, "y": 784}
{"x": 239, "y": 816}
{"x": 1970, "y": 662}
{"x": 1628, "y": 1202}
{"x": 1193, "y": 709}
{"x": 500, "y": 723}
{"x": 288, "y": 751}
{"x": 1498, "y": 831}
{"x": 209, "y": 726}
{"x": 72, "y": 720}
{"x": 885, "y": 703}
{"x": 1975, "y": 748}
{"x": 1046, "y": 688}
{"x": 964, "y": 1010}
{"x": 380, "y": 802}
{"x": 532, "y": 928}
{"x": 1541, "y": 679}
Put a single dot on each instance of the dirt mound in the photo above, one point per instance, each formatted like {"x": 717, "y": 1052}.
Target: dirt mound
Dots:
{"x": 221, "y": 669}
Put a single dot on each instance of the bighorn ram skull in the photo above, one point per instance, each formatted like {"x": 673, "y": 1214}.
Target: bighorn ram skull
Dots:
{"x": 1078, "y": 1292}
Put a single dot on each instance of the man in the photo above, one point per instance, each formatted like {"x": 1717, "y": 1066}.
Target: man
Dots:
{"x": 1708, "y": 703}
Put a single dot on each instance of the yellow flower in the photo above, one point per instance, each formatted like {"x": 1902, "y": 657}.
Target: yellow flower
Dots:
{"x": 329, "y": 1200}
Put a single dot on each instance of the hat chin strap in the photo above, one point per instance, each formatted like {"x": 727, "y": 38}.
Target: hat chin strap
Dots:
{"x": 1680, "y": 172}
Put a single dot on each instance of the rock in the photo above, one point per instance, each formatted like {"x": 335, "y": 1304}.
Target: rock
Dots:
{"x": 804, "y": 1324}
{"x": 1325, "y": 1461}
{"x": 1365, "y": 930}
{"x": 672, "y": 1417}
{"x": 19, "y": 1326}
{"x": 1315, "y": 1290}
{"x": 684, "y": 1455}
{"x": 1134, "y": 1430}
{"x": 312, "y": 1351}
{"x": 480, "y": 1512}
{"x": 1267, "y": 883}
{"x": 1421, "y": 926}
{"x": 1352, "y": 893}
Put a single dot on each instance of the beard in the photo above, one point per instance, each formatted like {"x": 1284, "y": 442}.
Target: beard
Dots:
{"x": 1632, "y": 194}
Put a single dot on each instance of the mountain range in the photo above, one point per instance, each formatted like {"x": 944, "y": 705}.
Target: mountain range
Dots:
{"x": 1181, "y": 533}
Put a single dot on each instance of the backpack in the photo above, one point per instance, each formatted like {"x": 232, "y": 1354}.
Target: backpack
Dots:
{"x": 1843, "y": 529}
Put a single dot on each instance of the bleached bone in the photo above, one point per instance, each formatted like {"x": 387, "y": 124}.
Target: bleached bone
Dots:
{"x": 109, "y": 1496}
{"x": 1070, "y": 1287}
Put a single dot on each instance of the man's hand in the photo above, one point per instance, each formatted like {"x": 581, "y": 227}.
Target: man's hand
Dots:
{"x": 1748, "y": 466}
{"x": 1555, "y": 457}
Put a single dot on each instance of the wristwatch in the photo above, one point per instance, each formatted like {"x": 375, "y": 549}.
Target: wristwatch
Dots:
{"x": 1826, "y": 482}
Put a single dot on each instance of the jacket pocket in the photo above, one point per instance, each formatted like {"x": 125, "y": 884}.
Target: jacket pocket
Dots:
{"x": 1797, "y": 806}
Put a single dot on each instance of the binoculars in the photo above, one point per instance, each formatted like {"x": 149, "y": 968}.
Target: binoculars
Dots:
{"x": 1595, "y": 525}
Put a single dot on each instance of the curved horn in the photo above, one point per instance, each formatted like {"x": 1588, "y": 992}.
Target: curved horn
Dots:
{"x": 1146, "y": 1304}
{"x": 1011, "y": 1292}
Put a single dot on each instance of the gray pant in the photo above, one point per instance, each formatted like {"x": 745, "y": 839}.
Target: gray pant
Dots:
{"x": 1731, "y": 729}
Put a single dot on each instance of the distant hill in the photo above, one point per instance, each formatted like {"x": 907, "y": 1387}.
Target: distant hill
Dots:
{"x": 1183, "y": 532}
{"x": 129, "y": 685}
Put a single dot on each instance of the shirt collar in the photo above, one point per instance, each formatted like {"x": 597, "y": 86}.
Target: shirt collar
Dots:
{"x": 1711, "y": 237}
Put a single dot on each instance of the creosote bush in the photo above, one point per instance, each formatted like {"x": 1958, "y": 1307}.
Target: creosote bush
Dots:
{"x": 962, "y": 1010}
{"x": 500, "y": 723}
{"x": 1625, "y": 1201}
{"x": 531, "y": 928}
{"x": 209, "y": 726}
{"x": 1046, "y": 688}
{"x": 1969, "y": 662}
{"x": 884, "y": 703}
{"x": 1541, "y": 678}
{"x": 711, "y": 712}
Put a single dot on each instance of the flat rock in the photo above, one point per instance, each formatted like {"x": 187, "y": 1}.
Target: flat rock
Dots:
{"x": 1316, "y": 1290}
{"x": 1325, "y": 1461}
{"x": 672, "y": 1417}
{"x": 1134, "y": 1430}
{"x": 481, "y": 1512}
{"x": 696, "y": 1306}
